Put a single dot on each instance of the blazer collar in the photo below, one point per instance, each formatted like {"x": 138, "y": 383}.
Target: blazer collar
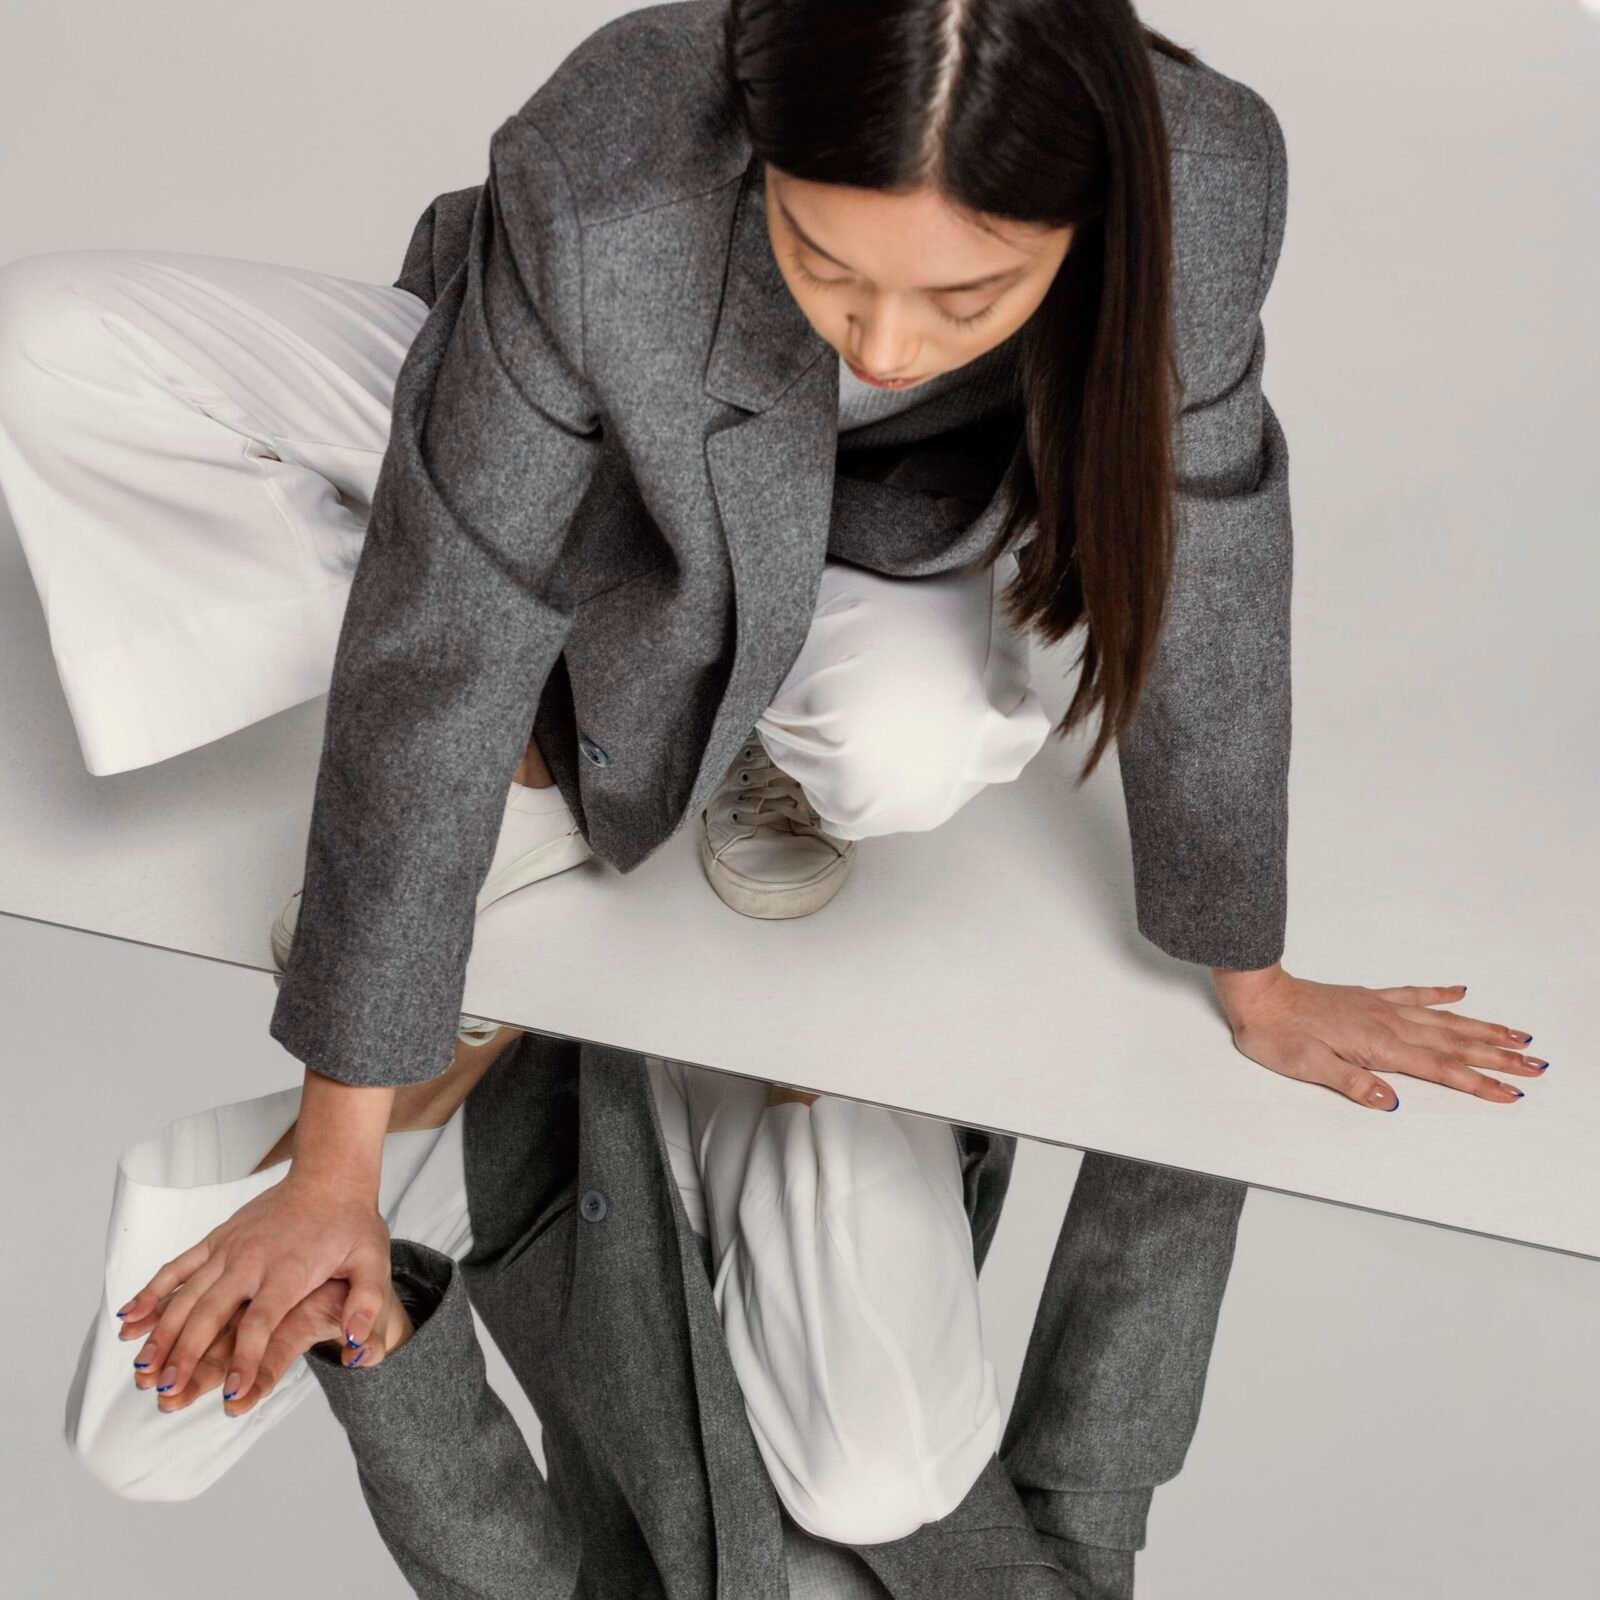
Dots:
{"x": 763, "y": 341}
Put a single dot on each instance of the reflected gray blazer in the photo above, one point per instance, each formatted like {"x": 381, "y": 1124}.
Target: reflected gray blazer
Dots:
{"x": 598, "y": 1292}
{"x": 612, "y": 480}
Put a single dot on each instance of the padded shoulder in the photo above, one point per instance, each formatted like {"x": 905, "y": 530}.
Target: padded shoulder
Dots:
{"x": 640, "y": 111}
{"x": 1209, "y": 113}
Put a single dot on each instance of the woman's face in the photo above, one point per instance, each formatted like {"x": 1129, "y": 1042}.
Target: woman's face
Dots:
{"x": 901, "y": 285}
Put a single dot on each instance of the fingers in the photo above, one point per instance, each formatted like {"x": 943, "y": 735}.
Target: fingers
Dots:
{"x": 1394, "y": 1053}
{"x": 282, "y": 1351}
{"x": 276, "y": 1299}
{"x": 1316, "y": 1062}
{"x": 152, "y": 1361}
{"x": 1479, "y": 1044}
{"x": 295, "y": 1335}
{"x": 207, "y": 1375}
{"x": 369, "y": 1281}
{"x": 1496, "y": 1045}
{"x": 1414, "y": 995}
{"x": 196, "y": 1319}
{"x": 167, "y": 1279}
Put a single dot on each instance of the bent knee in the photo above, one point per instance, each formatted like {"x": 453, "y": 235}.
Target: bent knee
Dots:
{"x": 50, "y": 319}
{"x": 119, "y": 1465}
{"x": 876, "y": 1499}
{"x": 901, "y": 759}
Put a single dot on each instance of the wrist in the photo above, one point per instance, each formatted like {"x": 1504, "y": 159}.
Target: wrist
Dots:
{"x": 1238, "y": 989}
{"x": 338, "y": 1138}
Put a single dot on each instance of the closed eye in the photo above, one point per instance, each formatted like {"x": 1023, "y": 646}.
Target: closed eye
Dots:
{"x": 833, "y": 283}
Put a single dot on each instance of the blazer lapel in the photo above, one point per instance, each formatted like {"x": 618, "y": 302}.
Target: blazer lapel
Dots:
{"x": 771, "y": 469}
{"x": 746, "y": 1525}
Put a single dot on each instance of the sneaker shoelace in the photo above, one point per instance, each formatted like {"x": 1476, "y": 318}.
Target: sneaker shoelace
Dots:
{"x": 779, "y": 803}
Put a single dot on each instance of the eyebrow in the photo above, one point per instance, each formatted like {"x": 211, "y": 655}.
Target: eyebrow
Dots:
{"x": 944, "y": 288}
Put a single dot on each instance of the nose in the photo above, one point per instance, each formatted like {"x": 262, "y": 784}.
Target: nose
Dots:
{"x": 884, "y": 349}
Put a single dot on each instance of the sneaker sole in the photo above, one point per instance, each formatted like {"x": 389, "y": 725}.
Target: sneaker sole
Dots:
{"x": 752, "y": 899}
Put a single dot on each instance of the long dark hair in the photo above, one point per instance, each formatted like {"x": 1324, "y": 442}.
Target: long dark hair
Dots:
{"x": 1046, "y": 112}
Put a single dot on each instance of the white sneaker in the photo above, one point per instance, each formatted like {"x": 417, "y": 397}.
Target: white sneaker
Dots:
{"x": 762, "y": 844}
{"x": 539, "y": 837}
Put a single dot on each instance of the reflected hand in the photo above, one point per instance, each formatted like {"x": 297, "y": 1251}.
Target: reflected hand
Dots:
{"x": 315, "y": 1320}
{"x": 254, "y": 1269}
{"x": 1341, "y": 1035}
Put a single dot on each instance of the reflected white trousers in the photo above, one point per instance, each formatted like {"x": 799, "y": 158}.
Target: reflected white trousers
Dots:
{"x": 843, "y": 1275}
{"x": 188, "y": 448}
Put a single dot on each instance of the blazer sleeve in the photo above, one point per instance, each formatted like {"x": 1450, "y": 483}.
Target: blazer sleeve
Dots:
{"x": 1205, "y": 764}
{"x": 444, "y": 1469}
{"x": 452, "y": 626}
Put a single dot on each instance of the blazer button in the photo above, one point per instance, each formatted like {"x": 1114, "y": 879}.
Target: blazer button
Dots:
{"x": 592, "y": 751}
{"x": 593, "y": 1205}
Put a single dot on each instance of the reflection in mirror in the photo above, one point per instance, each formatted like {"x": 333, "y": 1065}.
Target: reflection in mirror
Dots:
{"x": 698, "y": 1279}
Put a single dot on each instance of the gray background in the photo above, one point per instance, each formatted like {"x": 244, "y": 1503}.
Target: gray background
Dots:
{"x": 1394, "y": 1410}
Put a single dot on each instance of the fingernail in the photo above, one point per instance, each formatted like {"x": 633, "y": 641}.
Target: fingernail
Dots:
{"x": 360, "y": 1357}
{"x": 1378, "y": 1095}
{"x": 168, "y": 1378}
{"x": 122, "y": 1313}
{"x": 1541, "y": 1065}
{"x": 233, "y": 1386}
{"x": 1519, "y": 1093}
{"x": 354, "y": 1344}
{"x": 1523, "y": 1038}
{"x": 141, "y": 1365}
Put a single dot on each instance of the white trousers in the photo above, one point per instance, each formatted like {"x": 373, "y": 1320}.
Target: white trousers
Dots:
{"x": 188, "y": 448}
{"x": 843, "y": 1275}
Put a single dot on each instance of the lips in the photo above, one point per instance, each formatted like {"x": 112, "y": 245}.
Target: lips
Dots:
{"x": 880, "y": 383}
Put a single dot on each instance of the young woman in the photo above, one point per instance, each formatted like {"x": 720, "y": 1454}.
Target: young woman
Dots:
{"x": 615, "y": 504}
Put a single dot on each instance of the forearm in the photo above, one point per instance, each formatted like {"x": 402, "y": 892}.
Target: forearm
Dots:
{"x": 430, "y": 1104}
{"x": 338, "y": 1137}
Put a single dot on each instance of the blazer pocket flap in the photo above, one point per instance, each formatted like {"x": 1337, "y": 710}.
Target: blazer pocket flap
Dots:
{"x": 562, "y": 1204}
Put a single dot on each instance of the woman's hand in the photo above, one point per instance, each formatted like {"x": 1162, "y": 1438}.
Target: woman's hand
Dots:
{"x": 273, "y": 1252}
{"x": 1340, "y": 1035}
{"x": 315, "y": 1320}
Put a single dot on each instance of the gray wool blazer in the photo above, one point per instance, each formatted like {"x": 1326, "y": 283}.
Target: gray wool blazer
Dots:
{"x": 598, "y": 1292}
{"x": 612, "y": 479}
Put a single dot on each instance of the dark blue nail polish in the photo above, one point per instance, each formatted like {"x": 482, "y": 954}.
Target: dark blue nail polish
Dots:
{"x": 230, "y": 1394}
{"x": 161, "y": 1388}
{"x": 121, "y": 1313}
{"x": 1395, "y": 1106}
{"x": 354, "y": 1344}
{"x": 141, "y": 1365}
{"x": 359, "y": 1359}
